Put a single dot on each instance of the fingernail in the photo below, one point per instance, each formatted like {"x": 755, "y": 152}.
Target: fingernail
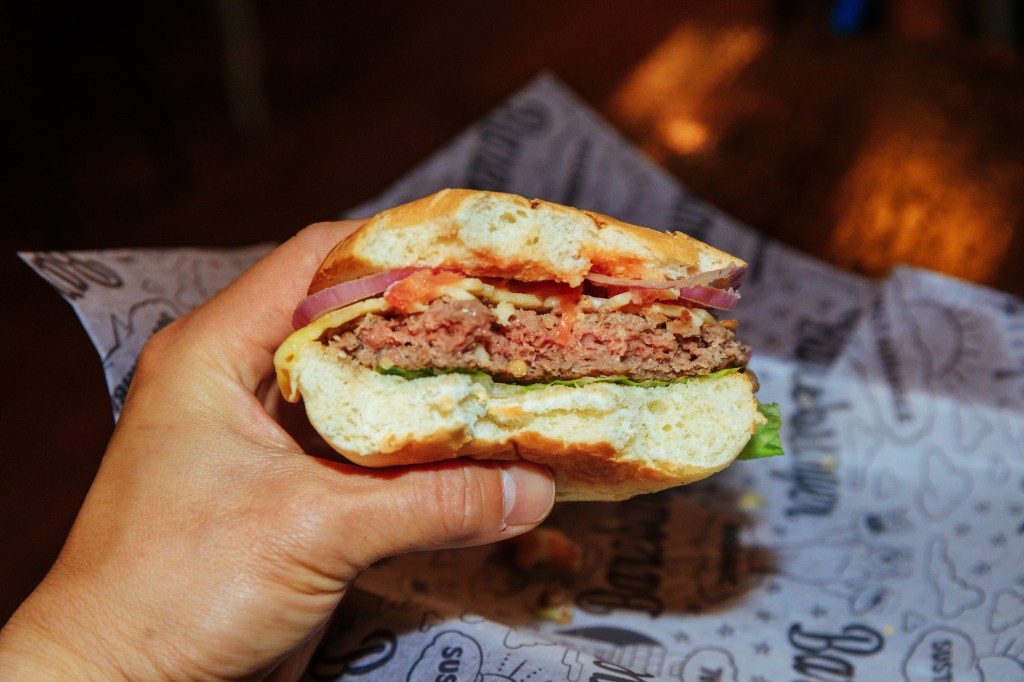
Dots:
{"x": 529, "y": 493}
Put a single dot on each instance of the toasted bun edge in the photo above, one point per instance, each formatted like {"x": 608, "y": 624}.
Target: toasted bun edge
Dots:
{"x": 498, "y": 234}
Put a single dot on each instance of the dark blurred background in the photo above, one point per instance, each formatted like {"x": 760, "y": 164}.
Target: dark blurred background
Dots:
{"x": 864, "y": 133}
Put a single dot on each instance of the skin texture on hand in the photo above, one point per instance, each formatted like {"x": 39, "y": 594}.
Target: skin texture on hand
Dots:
{"x": 211, "y": 545}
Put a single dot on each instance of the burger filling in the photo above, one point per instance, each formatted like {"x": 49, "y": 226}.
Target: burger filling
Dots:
{"x": 468, "y": 325}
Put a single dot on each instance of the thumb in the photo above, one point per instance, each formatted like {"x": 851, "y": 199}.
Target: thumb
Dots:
{"x": 451, "y": 504}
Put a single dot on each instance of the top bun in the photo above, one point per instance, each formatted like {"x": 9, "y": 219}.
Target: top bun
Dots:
{"x": 494, "y": 234}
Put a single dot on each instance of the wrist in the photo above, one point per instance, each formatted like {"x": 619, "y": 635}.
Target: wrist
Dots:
{"x": 31, "y": 651}
{"x": 49, "y": 638}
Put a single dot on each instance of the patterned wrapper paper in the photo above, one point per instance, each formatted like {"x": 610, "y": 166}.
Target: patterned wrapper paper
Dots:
{"x": 887, "y": 544}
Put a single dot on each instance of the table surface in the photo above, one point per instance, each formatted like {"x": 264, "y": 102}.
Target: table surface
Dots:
{"x": 902, "y": 144}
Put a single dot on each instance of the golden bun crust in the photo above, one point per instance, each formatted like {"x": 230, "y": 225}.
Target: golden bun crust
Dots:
{"x": 494, "y": 234}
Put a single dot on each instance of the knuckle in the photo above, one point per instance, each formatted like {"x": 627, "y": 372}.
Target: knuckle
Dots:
{"x": 463, "y": 499}
{"x": 328, "y": 232}
{"x": 158, "y": 349}
{"x": 315, "y": 232}
{"x": 319, "y": 226}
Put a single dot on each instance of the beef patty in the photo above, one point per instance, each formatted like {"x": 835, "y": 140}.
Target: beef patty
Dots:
{"x": 467, "y": 335}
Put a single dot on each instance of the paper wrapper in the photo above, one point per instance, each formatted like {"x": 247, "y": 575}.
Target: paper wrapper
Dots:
{"x": 887, "y": 544}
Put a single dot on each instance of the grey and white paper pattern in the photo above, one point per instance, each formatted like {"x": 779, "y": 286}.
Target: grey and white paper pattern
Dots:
{"x": 125, "y": 296}
{"x": 888, "y": 544}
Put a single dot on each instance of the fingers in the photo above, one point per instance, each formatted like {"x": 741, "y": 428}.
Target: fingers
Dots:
{"x": 458, "y": 504}
{"x": 252, "y": 316}
{"x": 461, "y": 504}
{"x": 369, "y": 515}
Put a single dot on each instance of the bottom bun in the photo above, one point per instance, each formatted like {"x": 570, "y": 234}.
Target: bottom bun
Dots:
{"x": 602, "y": 441}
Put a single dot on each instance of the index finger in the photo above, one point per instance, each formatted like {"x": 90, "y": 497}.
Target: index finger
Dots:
{"x": 250, "y": 318}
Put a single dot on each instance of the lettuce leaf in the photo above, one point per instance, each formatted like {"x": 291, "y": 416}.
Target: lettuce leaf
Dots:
{"x": 423, "y": 373}
{"x": 624, "y": 380}
{"x": 765, "y": 441}
{"x": 614, "y": 379}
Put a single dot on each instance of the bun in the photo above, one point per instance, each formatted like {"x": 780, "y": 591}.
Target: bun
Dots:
{"x": 602, "y": 441}
{"x": 493, "y": 234}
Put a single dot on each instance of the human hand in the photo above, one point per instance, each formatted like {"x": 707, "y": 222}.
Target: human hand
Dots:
{"x": 210, "y": 544}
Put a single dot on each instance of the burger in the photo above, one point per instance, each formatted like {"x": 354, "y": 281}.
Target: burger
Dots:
{"x": 486, "y": 325}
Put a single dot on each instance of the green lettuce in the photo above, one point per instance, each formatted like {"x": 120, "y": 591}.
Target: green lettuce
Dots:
{"x": 765, "y": 441}
{"x": 423, "y": 373}
{"x": 614, "y": 379}
{"x": 406, "y": 373}
{"x": 624, "y": 380}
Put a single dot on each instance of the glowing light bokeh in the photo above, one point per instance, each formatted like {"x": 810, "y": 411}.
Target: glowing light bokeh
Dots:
{"x": 665, "y": 94}
{"x": 912, "y": 182}
{"x": 913, "y": 196}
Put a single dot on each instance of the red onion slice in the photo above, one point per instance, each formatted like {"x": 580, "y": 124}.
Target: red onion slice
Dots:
{"x": 341, "y": 295}
{"x": 607, "y": 280}
{"x": 732, "y": 275}
{"x": 735, "y": 278}
{"x": 720, "y": 299}
{"x": 694, "y": 289}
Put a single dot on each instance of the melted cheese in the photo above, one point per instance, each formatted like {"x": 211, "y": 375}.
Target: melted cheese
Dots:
{"x": 287, "y": 354}
{"x": 505, "y": 301}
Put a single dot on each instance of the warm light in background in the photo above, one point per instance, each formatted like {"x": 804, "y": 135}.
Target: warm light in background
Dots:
{"x": 913, "y": 196}
{"x": 911, "y": 169}
{"x": 667, "y": 94}
{"x": 683, "y": 135}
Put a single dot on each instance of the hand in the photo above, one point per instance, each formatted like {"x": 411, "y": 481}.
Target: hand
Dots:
{"x": 210, "y": 544}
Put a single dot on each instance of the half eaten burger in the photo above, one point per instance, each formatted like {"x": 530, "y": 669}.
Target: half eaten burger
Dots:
{"x": 482, "y": 324}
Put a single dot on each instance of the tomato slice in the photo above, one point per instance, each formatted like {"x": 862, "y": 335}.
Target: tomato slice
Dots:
{"x": 421, "y": 287}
